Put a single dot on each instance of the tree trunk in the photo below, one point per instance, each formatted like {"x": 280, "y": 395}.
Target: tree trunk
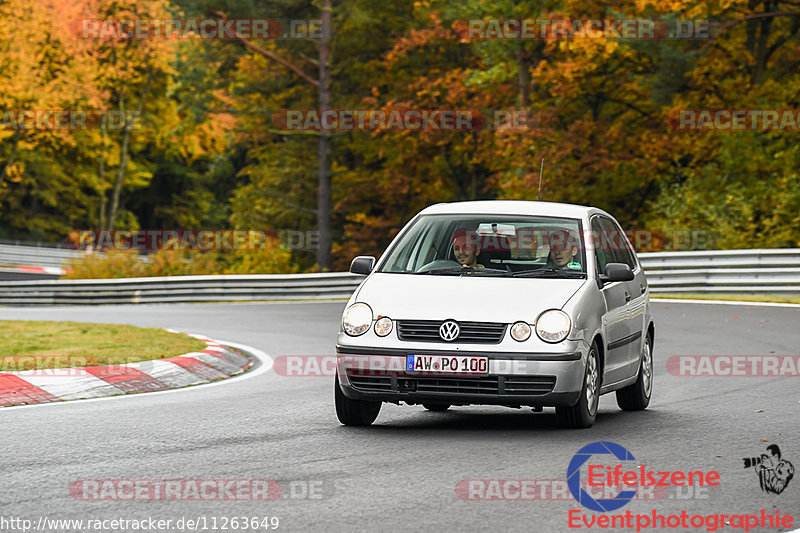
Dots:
{"x": 123, "y": 153}
{"x": 323, "y": 210}
{"x": 12, "y": 157}
{"x": 524, "y": 79}
{"x": 101, "y": 174}
{"x": 324, "y": 152}
{"x": 120, "y": 177}
{"x": 760, "y": 67}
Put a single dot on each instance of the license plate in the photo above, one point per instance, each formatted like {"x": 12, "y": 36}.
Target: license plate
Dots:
{"x": 447, "y": 364}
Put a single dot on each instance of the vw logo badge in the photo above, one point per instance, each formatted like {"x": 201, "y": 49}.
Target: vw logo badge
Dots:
{"x": 449, "y": 330}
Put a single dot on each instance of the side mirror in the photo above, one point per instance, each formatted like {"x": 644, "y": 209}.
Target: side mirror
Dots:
{"x": 363, "y": 264}
{"x": 616, "y": 272}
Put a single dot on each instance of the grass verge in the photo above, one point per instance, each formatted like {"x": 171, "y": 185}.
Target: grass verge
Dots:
{"x": 30, "y": 345}
{"x": 774, "y": 298}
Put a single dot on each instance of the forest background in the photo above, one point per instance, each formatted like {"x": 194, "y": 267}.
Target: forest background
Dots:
{"x": 207, "y": 151}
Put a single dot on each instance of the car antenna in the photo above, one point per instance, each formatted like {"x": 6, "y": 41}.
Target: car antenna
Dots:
{"x": 541, "y": 170}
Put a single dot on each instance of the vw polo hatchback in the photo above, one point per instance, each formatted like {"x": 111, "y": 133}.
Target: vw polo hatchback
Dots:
{"x": 502, "y": 303}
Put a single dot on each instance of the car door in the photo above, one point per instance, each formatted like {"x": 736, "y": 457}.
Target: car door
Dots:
{"x": 615, "y": 321}
{"x": 636, "y": 294}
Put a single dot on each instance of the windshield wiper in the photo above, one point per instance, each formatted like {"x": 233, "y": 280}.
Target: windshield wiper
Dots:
{"x": 465, "y": 270}
{"x": 549, "y": 272}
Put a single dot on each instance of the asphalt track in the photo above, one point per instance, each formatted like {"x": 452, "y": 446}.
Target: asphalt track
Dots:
{"x": 400, "y": 474}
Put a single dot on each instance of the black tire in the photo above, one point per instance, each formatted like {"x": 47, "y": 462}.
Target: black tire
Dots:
{"x": 436, "y": 406}
{"x": 583, "y": 414}
{"x": 636, "y": 397}
{"x": 354, "y": 412}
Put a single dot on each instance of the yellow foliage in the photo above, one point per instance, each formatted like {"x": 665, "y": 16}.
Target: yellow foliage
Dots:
{"x": 172, "y": 262}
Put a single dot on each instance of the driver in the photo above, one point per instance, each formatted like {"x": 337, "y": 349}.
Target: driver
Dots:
{"x": 466, "y": 248}
{"x": 562, "y": 249}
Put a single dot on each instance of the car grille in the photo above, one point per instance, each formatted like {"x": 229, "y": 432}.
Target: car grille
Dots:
{"x": 472, "y": 332}
{"x": 480, "y": 386}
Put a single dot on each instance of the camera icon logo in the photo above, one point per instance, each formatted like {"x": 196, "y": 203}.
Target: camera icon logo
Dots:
{"x": 774, "y": 473}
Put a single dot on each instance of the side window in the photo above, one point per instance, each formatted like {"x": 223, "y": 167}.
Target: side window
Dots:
{"x": 411, "y": 257}
{"x": 601, "y": 252}
{"x": 616, "y": 243}
{"x": 630, "y": 257}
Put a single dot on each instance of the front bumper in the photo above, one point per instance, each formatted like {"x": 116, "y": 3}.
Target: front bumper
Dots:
{"x": 513, "y": 379}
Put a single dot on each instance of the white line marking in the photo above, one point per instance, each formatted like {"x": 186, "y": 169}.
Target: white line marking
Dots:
{"x": 266, "y": 366}
{"x": 722, "y": 302}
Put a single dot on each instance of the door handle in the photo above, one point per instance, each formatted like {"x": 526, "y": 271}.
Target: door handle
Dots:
{"x": 627, "y": 296}
{"x": 643, "y": 287}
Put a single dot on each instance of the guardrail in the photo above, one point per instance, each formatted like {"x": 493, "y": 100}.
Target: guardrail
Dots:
{"x": 768, "y": 271}
{"x": 176, "y": 289}
{"x": 40, "y": 256}
{"x": 733, "y": 271}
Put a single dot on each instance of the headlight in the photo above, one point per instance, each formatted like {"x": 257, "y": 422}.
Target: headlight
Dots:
{"x": 383, "y": 326}
{"x": 357, "y": 319}
{"x": 520, "y": 331}
{"x": 553, "y": 326}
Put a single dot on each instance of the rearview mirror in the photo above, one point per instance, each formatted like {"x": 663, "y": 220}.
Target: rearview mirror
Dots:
{"x": 616, "y": 272}
{"x": 363, "y": 264}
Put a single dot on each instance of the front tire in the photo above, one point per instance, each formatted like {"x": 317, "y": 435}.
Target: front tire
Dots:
{"x": 354, "y": 412}
{"x": 636, "y": 397}
{"x": 584, "y": 413}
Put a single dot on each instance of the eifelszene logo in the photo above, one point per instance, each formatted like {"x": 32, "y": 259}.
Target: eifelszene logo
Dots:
{"x": 774, "y": 473}
{"x": 601, "y": 475}
{"x": 574, "y": 477}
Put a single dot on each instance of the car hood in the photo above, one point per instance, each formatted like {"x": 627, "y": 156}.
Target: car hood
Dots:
{"x": 469, "y": 298}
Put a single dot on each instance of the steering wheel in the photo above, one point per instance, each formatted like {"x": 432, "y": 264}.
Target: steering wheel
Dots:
{"x": 439, "y": 263}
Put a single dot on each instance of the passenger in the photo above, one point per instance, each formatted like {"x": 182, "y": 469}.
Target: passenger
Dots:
{"x": 563, "y": 249}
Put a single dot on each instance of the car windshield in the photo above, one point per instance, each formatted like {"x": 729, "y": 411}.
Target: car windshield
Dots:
{"x": 490, "y": 245}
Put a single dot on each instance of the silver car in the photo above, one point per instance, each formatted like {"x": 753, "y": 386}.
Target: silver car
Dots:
{"x": 498, "y": 302}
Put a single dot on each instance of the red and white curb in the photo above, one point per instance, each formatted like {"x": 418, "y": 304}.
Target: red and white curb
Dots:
{"x": 213, "y": 363}
{"x": 41, "y": 270}
{"x": 23, "y": 269}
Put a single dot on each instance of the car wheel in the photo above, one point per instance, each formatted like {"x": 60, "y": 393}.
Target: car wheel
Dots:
{"x": 436, "y": 406}
{"x": 636, "y": 397}
{"x": 354, "y": 412}
{"x": 584, "y": 413}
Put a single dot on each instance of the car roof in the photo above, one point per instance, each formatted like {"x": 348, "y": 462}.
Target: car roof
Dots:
{"x": 512, "y": 207}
